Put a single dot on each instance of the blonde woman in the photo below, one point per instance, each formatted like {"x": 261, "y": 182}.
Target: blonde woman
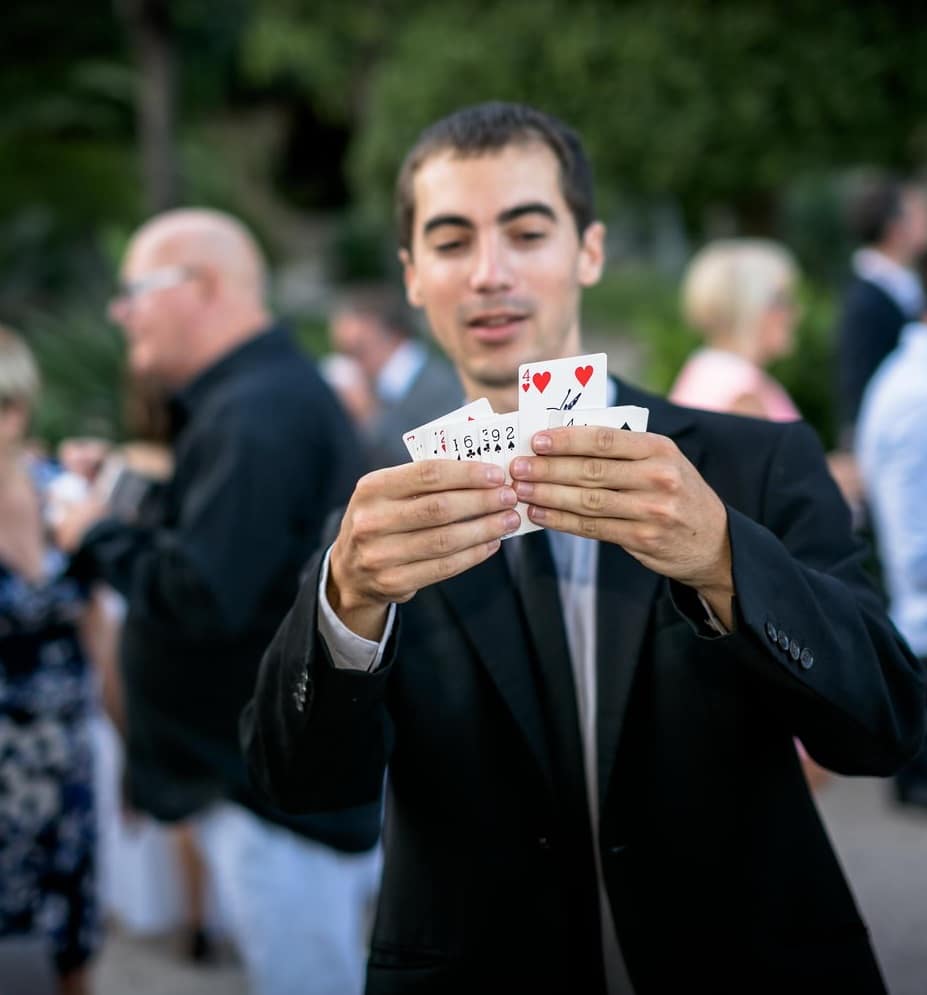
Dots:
{"x": 47, "y": 886}
{"x": 740, "y": 295}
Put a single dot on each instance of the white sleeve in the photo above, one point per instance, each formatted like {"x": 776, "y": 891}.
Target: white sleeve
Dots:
{"x": 349, "y": 651}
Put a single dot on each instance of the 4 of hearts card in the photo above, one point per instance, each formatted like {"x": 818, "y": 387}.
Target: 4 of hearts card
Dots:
{"x": 558, "y": 385}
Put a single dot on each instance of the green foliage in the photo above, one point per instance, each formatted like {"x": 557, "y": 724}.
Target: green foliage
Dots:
{"x": 81, "y": 358}
{"x": 641, "y": 304}
{"x": 709, "y": 102}
{"x": 808, "y": 374}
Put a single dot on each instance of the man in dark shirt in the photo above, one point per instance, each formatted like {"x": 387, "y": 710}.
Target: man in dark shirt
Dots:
{"x": 889, "y": 221}
{"x": 262, "y": 453}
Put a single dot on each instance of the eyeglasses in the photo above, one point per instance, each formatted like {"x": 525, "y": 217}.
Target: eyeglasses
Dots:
{"x": 158, "y": 279}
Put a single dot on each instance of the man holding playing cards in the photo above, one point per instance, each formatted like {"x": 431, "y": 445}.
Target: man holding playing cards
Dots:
{"x": 592, "y": 780}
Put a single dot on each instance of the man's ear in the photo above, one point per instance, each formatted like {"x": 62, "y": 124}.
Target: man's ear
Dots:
{"x": 592, "y": 254}
{"x": 207, "y": 281}
{"x": 410, "y": 278}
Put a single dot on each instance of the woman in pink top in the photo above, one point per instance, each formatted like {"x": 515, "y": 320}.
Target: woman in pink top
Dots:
{"x": 740, "y": 294}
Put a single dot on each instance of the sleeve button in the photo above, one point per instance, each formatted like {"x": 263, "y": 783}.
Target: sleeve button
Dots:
{"x": 794, "y": 650}
{"x": 806, "y": 659}
{"x": 783, "y": 641}
{"x": 772, "y": 632}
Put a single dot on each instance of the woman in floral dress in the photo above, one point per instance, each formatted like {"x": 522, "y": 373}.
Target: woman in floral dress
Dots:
{"x": 47, "y": 833}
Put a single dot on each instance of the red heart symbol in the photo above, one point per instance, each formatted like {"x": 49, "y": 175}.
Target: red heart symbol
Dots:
{"x": 541, "y": 380}
{"x": 583, "y": 373}
{"x": 525, "y": 386}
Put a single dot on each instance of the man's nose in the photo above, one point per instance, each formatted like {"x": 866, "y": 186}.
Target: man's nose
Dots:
{"x": 491, "y": 270}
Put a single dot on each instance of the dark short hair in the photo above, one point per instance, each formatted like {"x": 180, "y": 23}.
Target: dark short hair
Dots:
{"x": 381, "y": 301}
{"x": 877, "y": 202}
{"x": 491, "y": 127}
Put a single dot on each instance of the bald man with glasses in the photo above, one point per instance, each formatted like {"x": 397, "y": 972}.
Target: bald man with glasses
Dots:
{"x": 262, "y": 453}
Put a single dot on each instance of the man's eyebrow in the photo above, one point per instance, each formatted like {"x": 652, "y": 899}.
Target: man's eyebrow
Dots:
{"x": 504, "y": 217}
{"x": 439, "y": 220}
{"x": 534, "y": 207}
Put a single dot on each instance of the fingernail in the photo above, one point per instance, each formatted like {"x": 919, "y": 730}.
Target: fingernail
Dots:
{"x": 524, "y": 489}
{"x": 537, "y": 514}
{"x": 520, "y": 467}
{"x": 542, "y": 443}
{"x": 507, "y": 496}
{"x": 512, "y": 521}
{"x": 495, "y": 475}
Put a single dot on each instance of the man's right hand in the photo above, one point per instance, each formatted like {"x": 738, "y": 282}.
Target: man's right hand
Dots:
{"x": 410, "y": 526}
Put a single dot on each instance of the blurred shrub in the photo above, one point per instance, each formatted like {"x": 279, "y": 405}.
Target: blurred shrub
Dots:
{"x": 361, "y": 249}
{"x": 81, "y": 359}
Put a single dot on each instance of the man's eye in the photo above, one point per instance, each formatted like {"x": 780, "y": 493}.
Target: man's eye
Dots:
{"x": 449, "y": 245}
{"x": 530, "y": 236}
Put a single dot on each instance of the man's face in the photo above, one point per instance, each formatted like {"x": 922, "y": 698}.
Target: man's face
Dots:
{"x": 157, "y": 308}
{"x": 361, "y": 337}
{"x": 497, "y": 263}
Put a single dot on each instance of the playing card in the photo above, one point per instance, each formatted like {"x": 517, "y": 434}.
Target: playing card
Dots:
{"x": 467, "y": 441}
{"x": 555, "y": 385}
{"x": 558, "y": 385}
{"x": 630, "y": 417}
{"x": 417, "y": 440}
{"x": 490, "y": 440}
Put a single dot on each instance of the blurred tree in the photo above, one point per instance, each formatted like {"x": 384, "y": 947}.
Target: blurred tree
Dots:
{"x": 149, "y": 25}
{"x": 710, "y": 102}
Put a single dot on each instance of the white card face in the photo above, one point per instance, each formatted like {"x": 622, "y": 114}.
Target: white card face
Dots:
{"x": 490, "y": 440}
{"x": 417, "y": 440}
{"x": 436, "y": 446}
{"x": 468, "y": 442}
{"x": 630, "y": 417}
{"x": 556, "y": 385}
{"x": 559, "y": 385}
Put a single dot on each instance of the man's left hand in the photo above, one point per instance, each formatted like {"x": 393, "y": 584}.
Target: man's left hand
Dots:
{"x": 635, "y": 489}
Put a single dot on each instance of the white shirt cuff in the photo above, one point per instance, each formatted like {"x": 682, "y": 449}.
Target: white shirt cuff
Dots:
{"x": 348, "y": 650}
{"x": 712, "y": 620}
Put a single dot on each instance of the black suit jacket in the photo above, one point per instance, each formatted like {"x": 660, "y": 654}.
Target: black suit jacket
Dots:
{"x": 718, "y": 870}
{"x": 868, "y": 331}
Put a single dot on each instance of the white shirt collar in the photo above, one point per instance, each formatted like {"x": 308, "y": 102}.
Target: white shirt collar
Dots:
{"x": 899, "y": 282}
{"x": 400, "y": 370}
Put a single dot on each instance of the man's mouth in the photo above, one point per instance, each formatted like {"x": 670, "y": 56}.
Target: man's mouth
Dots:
{"x": 495, "y": 326}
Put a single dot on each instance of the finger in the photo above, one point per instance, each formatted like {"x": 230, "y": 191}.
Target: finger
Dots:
{"x": 416, "y": 576}
{"x": 428, "y": 476}
{"x": 584, "y": 471}
{"x": 447, "y": 540}
{"x": 430, "y": 510}
{"x": 593, "y": 440}
{"x": 597, "y": 502}
{"x": 624, "y": 533}
{"x": 395, "y": 584}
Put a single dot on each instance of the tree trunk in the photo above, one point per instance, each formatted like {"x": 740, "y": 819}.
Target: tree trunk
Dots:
{"x": 149, "y": 26}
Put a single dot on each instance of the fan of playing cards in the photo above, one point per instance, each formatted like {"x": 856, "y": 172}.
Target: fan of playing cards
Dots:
{"x": 557, "y": 393}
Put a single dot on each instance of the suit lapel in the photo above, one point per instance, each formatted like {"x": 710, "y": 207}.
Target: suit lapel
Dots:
{"x": 485, "y": 603}
{"x": 625, "y": 594}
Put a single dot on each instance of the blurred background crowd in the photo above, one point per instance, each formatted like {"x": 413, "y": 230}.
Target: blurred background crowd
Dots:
{"x": 761, "y": 172}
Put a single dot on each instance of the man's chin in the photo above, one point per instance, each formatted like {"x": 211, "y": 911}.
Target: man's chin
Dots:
{"x": 493, "y": 378}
